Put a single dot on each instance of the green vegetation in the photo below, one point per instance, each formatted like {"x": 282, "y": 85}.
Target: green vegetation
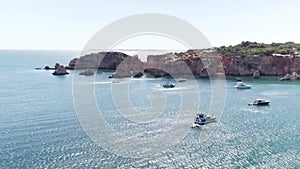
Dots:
{"x": 247, "y": 48}
{"x": 179, "y": 55}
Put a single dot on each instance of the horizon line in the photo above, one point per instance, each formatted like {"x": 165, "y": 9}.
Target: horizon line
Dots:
{"x": 129, "y": 49}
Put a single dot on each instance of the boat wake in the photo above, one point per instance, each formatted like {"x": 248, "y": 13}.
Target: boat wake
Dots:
{"x": 100, "y": 83}
{"x": 261, "y": 110}
{"x": 275, "y": 93}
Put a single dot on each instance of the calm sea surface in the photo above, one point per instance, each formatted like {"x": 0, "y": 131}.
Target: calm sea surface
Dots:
{"x": 39, "y": 126}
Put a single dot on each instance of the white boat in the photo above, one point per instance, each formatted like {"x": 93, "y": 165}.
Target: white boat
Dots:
{"x": 260, "y": 102}
{"x": 202, "y": 119}
{"x": 181, "y": 80}
{"x": 242, "y": 85}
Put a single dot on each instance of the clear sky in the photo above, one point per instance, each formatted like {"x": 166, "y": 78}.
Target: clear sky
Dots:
{"x": 69, "y": 24}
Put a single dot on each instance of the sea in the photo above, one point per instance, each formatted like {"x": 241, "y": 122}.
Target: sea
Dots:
{"x": 46, "y": 123}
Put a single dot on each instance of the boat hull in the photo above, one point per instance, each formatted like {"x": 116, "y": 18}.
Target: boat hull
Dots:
{"x": 261, "y": 104}
{"x": 207, "y": 121}
{"x": 181, "y": 80}
{"x": 243, "y": 87}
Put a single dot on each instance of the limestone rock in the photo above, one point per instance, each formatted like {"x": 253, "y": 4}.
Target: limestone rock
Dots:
{"x": 200, "y": 63}
{"x": 286, "y": 77}
{"x": 60, "y": 71}
{"x": 139, "y": 74}
{"x": 192, "y": 62}
{"x": 256, "y": 74}
{"x": 123, "y": 64}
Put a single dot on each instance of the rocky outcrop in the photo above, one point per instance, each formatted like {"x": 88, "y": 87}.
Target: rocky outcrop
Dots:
{"x": 139, "y": 74}
{"x": 293, "y": 76}
{"x": 199, "y": 63}
{"x": 204, "y": 63}
{"x": 123, "y": 64}
{"x": 277, "y": 65}
{"x": 256, "y": 74}
{"x": 61, "y": 70}
{"x": 295, "y": 64}
{"x": 286, "y": 77}
{"x": 266, "y": 65}
{"x": 52, "y": 68}
{"x": 101, "y": 60}
{"x": 130, "y": 66}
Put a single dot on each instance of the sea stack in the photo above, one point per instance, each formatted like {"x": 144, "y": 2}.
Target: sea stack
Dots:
{"x": 61, "y": 70}
{"x": 123, "y": 64}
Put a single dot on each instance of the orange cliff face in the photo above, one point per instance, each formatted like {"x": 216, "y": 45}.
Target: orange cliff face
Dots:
{"x": 200, "y": 63}
{"x": 204, "y": 63}
{"x": 192, "y": 62}
{"x": 266, "y": 65}
{"x": 295, "y": 65}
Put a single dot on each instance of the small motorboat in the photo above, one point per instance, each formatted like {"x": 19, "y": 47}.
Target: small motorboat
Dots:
{"x": 181, "y": 80}
{"x": 260, "y": 102}
{"x": 202, "y": 119}
{"x": 169, "y": 85}
{"x": 242, "y": 85}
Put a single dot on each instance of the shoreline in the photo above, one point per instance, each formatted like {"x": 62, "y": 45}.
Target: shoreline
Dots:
{"x": 248, "y": 59}
{"x": 148, "y": 75}
{"x": 200, "y": 63}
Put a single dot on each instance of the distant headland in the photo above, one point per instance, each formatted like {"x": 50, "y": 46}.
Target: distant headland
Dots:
{"x": 245, "y": 59}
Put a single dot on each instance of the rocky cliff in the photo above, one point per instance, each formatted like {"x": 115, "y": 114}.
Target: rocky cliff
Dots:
{"x": 204, "y": 63}
{"x": 275, "y": 65}
{"x": 200, "y": 63}
{"x": 123, "y": 64}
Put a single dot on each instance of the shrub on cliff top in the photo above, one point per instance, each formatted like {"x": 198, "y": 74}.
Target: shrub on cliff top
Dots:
{"x": 247, "y": 48}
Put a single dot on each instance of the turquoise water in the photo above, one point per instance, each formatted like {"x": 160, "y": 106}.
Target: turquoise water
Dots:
{"x": 39, "y": 126}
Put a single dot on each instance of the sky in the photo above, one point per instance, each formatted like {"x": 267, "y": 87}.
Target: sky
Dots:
{"x": 69, "y": 24}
